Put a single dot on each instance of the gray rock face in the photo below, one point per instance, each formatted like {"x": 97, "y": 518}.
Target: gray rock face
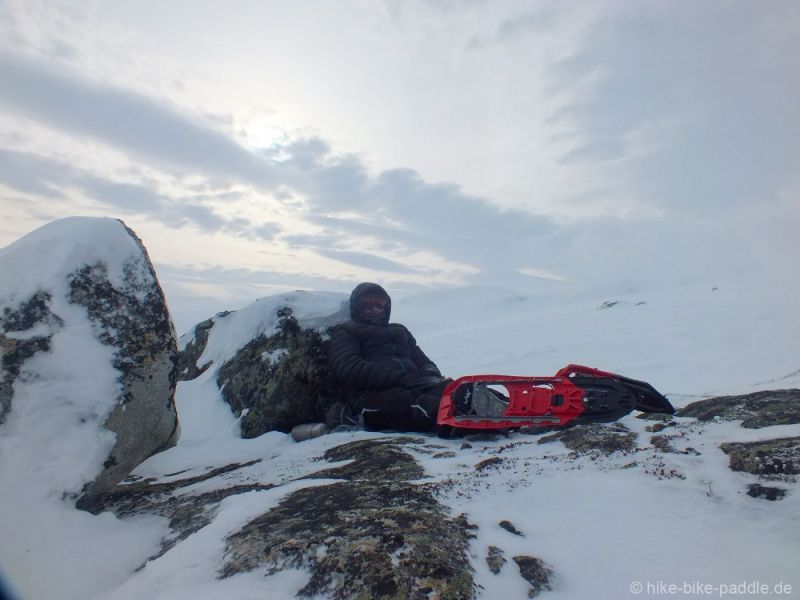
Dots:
{"x": 126, "y": 312}
{"x": 135, "y": 321}
{"x": 276, "y": 380}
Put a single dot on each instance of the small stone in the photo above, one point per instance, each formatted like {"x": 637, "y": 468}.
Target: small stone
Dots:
{"x": 495, "y": 559}
{"x": 662, "y": 443}
{"x": 756, "y": 490}
{"x": 447, "y": 454}
{"x": 489, "y": 462}
{"x": 656, "y": 428}
{"x": 535, "y": 572}
{"x": 594, "y": 438}
{"x": 508, "y": 526}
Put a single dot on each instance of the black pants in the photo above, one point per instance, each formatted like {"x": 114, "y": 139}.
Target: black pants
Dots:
{"x": 401, "y": 408}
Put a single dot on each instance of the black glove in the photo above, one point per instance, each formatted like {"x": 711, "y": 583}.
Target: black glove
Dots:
{"x": 421, "y": 378}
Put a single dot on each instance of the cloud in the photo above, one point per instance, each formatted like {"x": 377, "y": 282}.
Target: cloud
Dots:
{"x": 48, "y": 178}
{"x": 695, "y": 109}
{"x": 134, "y": 123}
{"x": 397, "y": 209}
{"x": 365, "y": 260}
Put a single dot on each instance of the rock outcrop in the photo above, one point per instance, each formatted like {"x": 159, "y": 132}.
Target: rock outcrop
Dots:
{"x": 594, "y": 438}
{"x": 375, "y": 531}
{"x": 756, "y": 410}
{"x": 87, "y": 346}
{"x": 277, "y": 377}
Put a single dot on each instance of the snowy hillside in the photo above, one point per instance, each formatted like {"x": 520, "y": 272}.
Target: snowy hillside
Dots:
{"x": 604, "y": 523}
{"x": 729, "y": 336}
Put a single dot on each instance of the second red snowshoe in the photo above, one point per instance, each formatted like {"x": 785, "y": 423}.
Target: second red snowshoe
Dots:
{"x": 575, "y": 394}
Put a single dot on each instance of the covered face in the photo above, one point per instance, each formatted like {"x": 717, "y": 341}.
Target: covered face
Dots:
{"x": 369, "y": 303}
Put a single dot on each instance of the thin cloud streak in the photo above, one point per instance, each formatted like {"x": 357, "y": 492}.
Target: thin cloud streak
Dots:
{"x": 124, "y": 119}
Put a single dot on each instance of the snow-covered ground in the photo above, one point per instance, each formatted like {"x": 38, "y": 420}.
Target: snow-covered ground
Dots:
{"x": 605, "y": 524}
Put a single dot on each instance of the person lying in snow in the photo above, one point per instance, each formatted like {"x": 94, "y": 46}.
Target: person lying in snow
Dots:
{"x": 394, "y": 384}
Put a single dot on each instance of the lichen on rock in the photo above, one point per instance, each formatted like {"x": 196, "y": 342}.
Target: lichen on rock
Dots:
{"x": 34, "y": 320}
{"x": 594, "y": 438}
{"x": 495, "y": 559}
{"x": 377, "y": 535}
{"x": 756, "y": 410}
{"x": 776, "y": 458}
{"x": 280, "y": 380}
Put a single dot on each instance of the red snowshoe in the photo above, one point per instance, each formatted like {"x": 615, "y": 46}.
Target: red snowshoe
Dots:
{"x": 576, "y": 394}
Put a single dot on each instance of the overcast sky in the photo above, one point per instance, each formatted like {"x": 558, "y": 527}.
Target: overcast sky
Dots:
{"x": 262, "y": 146}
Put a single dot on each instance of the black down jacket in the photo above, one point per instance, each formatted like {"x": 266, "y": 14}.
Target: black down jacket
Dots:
{"x": 365, "y": 356}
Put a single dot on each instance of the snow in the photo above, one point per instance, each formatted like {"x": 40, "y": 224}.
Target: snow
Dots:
{"x": 233, "y": 330}
{"x": 41, "y": 259}
{"x": 603, "y": 523}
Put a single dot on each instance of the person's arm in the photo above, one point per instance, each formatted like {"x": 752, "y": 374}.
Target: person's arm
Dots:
{"x": 349, "y": 367}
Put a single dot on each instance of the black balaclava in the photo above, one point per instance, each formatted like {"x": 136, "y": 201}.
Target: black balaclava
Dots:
{"x": 357, "y": 312}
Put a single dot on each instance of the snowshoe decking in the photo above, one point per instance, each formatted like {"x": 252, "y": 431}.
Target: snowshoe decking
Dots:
{"x": 575, "y": 394}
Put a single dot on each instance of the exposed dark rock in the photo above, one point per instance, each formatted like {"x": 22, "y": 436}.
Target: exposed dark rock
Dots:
{"x": 594, "y": 438}
{"x": 663, "y": 417}
{"x": 508, "y": 526}
{"x": 188, "y": 367}
{"x": 663, "y": 444}
{"x": 15, "y": 351}
{"x": 535, "y": 572}
{"x": 756, "y": 490}
{"x": 495, "y": 559}
{"x": 187, "y": 513}
{"x": 760, "y": 409}
{"x": 660, "y": 426}
{"x": 447, "y": 454}
{"x": 376, "y": 535}
{"x": 489, "y": 462}
{"x": 771, "y": 458}
{"x": 608, "y": 304}
{"x": 281, "y": 380}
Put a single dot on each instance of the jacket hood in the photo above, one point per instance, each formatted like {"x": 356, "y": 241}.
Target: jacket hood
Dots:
{"x": 368, "y": 289}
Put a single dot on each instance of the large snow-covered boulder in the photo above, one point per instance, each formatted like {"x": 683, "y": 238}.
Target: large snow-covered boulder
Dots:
{"x": 269, "y": 359}
{"x": 89, "y": 358}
